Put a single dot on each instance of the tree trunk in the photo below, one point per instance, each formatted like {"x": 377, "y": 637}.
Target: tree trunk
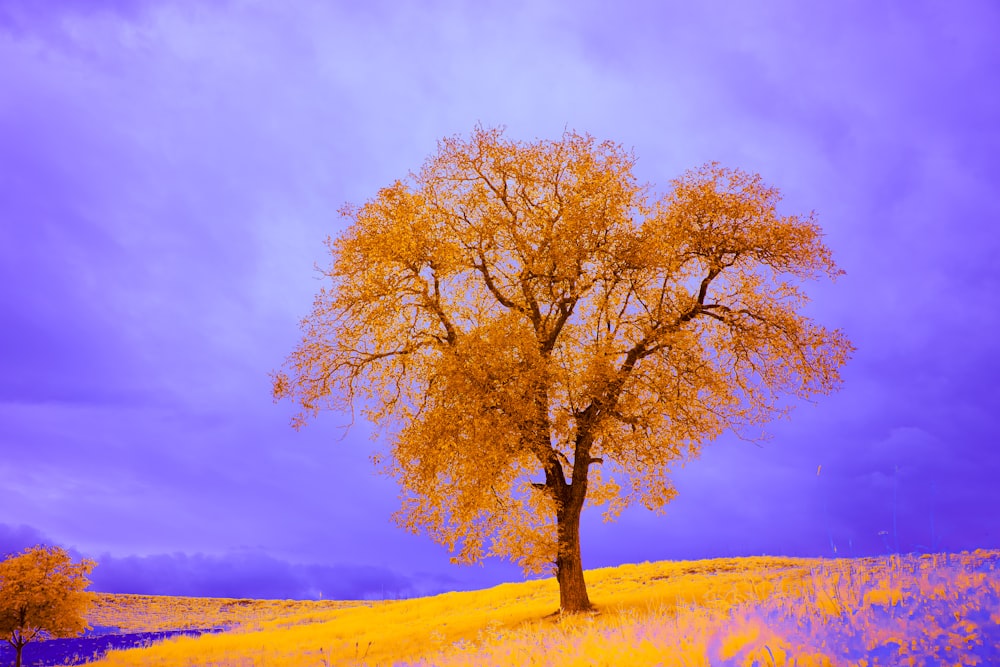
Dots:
{"x": 573, "y": 596}
{"x": 17, "y": 654}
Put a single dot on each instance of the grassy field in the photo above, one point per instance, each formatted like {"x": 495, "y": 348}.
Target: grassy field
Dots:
{"x": 152, "y": 613}
{"x": 914, "y": 609}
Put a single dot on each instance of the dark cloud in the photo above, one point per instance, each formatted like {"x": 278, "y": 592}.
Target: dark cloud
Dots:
{"x": 239, "y": 574}
{"x": 236, "y": 575}
{"x": 247, "y": 575}
{"x": 14, "y": 539}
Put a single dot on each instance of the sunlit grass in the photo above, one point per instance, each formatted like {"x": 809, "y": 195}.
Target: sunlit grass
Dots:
{"x": 935, "y": 609}
{"x": 152, "y": 613}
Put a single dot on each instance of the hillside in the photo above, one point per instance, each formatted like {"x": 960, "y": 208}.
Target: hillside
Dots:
{"x": 776, "y": 611}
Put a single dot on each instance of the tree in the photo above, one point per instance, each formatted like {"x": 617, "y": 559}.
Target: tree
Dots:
{"x": 532, "y": 331}
{"x": 42, "y": 595}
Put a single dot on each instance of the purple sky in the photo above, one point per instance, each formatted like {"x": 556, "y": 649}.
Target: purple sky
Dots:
{"x": 169, "y": 170}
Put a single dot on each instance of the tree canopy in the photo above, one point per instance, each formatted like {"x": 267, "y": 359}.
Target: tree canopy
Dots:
{"x": 42, "y": 595}
{"x": 533, "y": 328}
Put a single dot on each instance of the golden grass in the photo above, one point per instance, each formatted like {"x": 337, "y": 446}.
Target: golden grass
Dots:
{"x": 153, "y": 613}
{"x": 775, "y": 611}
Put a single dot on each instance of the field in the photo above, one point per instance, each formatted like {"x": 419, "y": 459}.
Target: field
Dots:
{"x": 931, "y": 609}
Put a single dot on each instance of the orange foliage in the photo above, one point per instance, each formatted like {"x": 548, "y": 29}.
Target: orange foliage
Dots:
{"x": 42, "y": 595}
{"x": 515, "y": 314}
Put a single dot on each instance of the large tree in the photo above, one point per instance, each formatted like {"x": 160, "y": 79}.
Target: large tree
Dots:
{"x": 42, "y": 595}
{"x": 532, "y": 328}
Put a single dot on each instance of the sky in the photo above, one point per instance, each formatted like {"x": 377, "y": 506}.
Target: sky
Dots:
{"x": 169, "y": 171}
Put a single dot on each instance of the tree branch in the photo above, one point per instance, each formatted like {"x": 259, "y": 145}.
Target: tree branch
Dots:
{"x": 645, "y": 347}
{"x": 434, "y": 303}
{"x": 565, "y": 307}
{"x": 491, "y": 285}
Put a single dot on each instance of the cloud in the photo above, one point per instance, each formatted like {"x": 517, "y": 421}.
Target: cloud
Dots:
{"x": 14, "y": 539}
{"x": 250, "y": 575}
{"x": 173, "y": 167}
{"x": 240, "y": 574}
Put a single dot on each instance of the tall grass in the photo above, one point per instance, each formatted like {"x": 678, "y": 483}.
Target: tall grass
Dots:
{"x": 931, "y": 609}
{"x": 896, "y": 610}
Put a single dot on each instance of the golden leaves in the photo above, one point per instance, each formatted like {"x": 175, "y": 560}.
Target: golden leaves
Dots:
{"x": 42, "y": 594}
{"x": 516, "y": 310}
{"x": 727, "y": 217}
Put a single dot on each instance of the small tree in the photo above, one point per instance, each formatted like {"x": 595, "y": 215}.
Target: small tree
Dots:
{"x": 520, "y": 318}
{"x": 42, "y": 595}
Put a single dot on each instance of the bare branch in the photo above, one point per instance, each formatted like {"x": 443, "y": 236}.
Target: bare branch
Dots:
{"x": 483, "y": 269}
